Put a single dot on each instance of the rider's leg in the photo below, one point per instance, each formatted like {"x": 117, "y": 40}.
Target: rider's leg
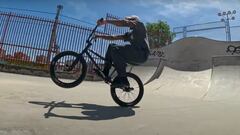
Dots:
{"x": 108, "y": 61}
{"x": 120, "y": 65}
{"x": 126, "y": 54}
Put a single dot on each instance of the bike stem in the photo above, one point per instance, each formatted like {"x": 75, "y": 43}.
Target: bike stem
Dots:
{"x": 89, "y": 40}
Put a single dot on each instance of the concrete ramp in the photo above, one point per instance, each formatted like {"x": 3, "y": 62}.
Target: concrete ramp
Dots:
{"x": 222, "y": 82}
{"x": 188, "y": 67}
{"x": 149, "y": 70}
{"x": 195, "y": 53}
{"x": 225, "y": 80}
{"x": 145, "y": 73}
{"x": 187, "y": 54}
{"x": 174, "y": 83}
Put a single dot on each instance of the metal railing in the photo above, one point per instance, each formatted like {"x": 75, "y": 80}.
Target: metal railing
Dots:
{"x": 216, "y": 30}
{"x": 25, "y": 39}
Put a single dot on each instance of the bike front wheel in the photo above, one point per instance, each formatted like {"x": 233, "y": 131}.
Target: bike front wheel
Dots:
{"x": 129, "y": 96}
{"x": 62, "y": 71}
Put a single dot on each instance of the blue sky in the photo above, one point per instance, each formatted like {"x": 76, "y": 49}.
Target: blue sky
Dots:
{"x": 174, "y": 12}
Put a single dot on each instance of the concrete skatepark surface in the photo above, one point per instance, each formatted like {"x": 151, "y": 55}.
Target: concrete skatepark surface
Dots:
{"x": 89, "y": 110}
{"x": 183, "y": 100}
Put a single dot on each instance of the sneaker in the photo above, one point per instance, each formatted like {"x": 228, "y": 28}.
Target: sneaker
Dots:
{"x": 120, "y": 82}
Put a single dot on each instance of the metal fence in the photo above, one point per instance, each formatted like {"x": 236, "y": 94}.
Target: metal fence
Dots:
{"x": 214, "y": 30}
{"x": 25, "y": 40}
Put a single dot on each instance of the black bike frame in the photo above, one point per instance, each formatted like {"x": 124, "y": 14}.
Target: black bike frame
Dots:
{"x": 87, "y": 52}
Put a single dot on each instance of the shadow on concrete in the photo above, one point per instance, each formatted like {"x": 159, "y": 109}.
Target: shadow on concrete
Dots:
{"x": 89, "y": 111}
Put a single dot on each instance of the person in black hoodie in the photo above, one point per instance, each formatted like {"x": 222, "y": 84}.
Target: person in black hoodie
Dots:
{"x": 136, "y": 51}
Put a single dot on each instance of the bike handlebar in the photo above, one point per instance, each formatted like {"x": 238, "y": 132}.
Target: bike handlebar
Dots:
{"x": 94, "y": 30}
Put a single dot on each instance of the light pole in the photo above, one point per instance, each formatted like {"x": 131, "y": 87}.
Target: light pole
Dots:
{"x": 53, "y": 34}
{"x": 226, "y": 17}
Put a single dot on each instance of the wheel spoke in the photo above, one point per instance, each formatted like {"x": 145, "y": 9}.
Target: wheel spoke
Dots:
{"x": 129, "y": 96}
{"x": 60, "y": 72}
{"x": 125, "y": 95}
{"x": 132, "y": 94}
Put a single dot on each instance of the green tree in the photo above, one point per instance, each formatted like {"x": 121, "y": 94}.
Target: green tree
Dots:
{"x": 159, "y": 34}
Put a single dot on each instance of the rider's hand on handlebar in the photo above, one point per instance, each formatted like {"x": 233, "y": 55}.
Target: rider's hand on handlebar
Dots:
{"x": 97, "y": 36}
{"x": 101, "y": 22}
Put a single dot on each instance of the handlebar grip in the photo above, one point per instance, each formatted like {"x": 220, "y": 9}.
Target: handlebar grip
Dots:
{"x": 101, "y": 19}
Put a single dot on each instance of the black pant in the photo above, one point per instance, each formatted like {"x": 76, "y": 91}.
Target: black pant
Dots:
{"x": 121, "y": 55}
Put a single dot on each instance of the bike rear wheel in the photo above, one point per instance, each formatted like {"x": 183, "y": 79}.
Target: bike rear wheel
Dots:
{"x": 63, "y": 73}
{"x": 129, "y": 96}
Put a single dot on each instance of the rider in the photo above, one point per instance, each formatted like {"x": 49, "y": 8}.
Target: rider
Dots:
{"x": 134, "y": 53}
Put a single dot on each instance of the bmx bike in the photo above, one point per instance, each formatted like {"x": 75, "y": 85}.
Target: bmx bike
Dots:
{"x": 68, "y": 69}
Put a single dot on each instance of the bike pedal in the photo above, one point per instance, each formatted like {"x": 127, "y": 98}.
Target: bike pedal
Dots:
{"x": 108, "y": 80}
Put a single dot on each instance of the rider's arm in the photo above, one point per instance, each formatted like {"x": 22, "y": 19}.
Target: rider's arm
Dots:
{"x": 120, "y": 23}
{"x": 110, "y": 37}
